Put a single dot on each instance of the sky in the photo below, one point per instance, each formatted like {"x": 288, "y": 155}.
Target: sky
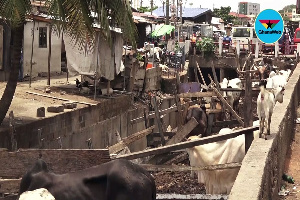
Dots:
{"x": 264, "y": 4}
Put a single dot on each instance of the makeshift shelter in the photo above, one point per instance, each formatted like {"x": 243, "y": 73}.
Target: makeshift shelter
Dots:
{"x": 162, "y": 30}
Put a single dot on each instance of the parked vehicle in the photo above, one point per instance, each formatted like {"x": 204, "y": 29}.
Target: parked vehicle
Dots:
{"x": 297, "y": 36}
{"x": 243, "y": 34}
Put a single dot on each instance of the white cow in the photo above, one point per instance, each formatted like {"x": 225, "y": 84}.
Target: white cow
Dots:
{"x": 38, "y": 194}
{"x": 232, "y": 97}
{"x": 227, "y": 151}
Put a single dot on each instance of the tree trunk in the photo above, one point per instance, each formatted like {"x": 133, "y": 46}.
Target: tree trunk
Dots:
{"x": 11, "y": 85}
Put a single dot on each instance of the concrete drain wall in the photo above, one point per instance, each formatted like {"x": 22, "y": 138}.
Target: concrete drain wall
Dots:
{"x": 98, "y": 123}
{"x": 263, "y": 165}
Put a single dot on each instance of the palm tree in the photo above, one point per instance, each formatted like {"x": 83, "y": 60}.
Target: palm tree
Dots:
{"x": 75, "y": 17}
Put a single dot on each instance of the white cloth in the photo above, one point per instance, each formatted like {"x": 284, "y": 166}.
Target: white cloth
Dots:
{"x": 100, "y": 59}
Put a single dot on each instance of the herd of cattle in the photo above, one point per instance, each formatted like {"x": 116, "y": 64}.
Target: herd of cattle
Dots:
{"x": 124, "y": 180}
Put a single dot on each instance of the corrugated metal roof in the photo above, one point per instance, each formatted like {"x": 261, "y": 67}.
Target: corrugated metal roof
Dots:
{"x": 186, "y": 12}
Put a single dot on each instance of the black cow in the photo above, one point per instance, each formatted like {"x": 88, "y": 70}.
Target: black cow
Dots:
{"x": 114, "y": 180}
{"x": 199, "y": 113}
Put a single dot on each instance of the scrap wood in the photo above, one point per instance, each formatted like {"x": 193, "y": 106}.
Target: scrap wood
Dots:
{"x": 177, "y": 168}
{"x": 128, "y": 140}
{"x": 183, "y": 131}
{"x": 188, "y": 144}
{"x": 228, "y": 106}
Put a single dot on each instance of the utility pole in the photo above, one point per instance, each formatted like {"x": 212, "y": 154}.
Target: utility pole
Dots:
{"x": 167, "y": 12}
{"x": 151, "y": 3}
{"x": 141, "y": 3}
{"x": 180, "y": 12}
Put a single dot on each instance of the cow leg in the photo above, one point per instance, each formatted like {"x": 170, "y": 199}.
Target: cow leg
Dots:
{"x": 261, "y": 127}
{"x": 268, "y": 125}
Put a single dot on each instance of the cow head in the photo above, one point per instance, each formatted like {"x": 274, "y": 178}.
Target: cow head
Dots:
{"x": 39, "y": 166}
{"x": 263, "y": 83}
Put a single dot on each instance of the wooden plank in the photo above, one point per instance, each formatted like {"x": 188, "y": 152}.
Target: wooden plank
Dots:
{"x": 201, "y": 73}
{"x": 183, "y": 168}
{"x": 178, "y": 103}
{"x": 152, "y": 114}
{"x": 61, "y": 99}
{"x": 215, "y": 74}
{"x": 226, "y": 123}
{"x": 187, "y": 144}
{"x": 130, "y": 139}
{"x": 158, "y": 121}
{"x": 196, "y": 94}
{"x": 9, "y": 186}
{"x": 132, "y": 76}
{"x": 228, "y": 106}
{"x": 15, "y": 164}
{"x": 191, "y": 196}
{"x": 248, "y": 121}
{"x": 183, "y": 131}
{"x": 210, "y": 118}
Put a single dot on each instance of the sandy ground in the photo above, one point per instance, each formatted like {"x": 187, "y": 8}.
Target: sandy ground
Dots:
{"x": 24, "y": 105}
{"x": 292, "y": 167}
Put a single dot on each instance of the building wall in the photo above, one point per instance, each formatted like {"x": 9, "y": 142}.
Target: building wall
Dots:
{"x": 253, "y": 8}
{"x": 40, "y": 55}
{"x": 243, "y": 8}
{"x": 295, "y": 16}
{"x": 248, "y": 8}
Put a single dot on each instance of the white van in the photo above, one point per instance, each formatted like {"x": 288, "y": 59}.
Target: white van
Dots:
{"x": 243, "y": 34}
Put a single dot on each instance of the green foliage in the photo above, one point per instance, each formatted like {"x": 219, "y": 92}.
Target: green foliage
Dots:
{"x": 15, "y": 11}
{"x": 139, "y": 57}
{"x": 223, "y": 13}
{"x": 77, "y": 18}
{"x": 287, "y": 8}
{"x": 285, "y": 18}
{"x": 146, "y": 9}
{"x": 206, "y": 45}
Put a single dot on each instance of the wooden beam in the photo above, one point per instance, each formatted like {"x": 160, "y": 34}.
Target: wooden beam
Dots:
{"x": 228, "y": 106}
{"x": 187, "y": 144}
{"x": 201, "y": 73}
{"x": 158, "y": 121}
{"x": 226, "y": 123}
{"x": 130, "y": 139}
{"x": 196, "y": 94}
{"x": 178, "y": 103}
{"x": 183, "y": 131}
{"x": 61, "y": 99}
{"x": 183, "y": 168}
{"x": 215, "y": 74}
{"x": 152, "y": 114}
{"x": 60, "y": 161}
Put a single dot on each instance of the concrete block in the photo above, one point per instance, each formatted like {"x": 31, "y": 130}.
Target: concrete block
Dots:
{"x": 69, "y": 105}
{"x": 41, "y": 112}
{"x": 55, "y": 109}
